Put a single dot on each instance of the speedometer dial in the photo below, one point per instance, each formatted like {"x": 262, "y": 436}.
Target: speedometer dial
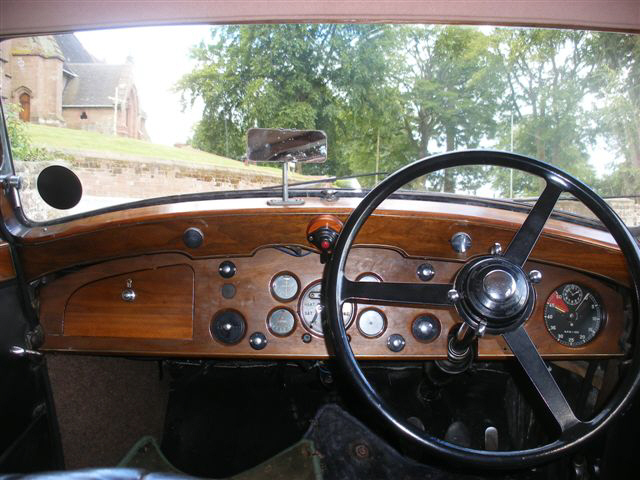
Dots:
{"x": 573, "y": 315}
{"x": 311, "y": 309}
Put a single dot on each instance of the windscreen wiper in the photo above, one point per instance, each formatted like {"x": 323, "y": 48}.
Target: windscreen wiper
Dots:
{"x": 326, "y": 180}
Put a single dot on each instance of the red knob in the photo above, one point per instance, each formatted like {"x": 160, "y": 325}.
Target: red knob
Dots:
{"x": 325, "y": 244}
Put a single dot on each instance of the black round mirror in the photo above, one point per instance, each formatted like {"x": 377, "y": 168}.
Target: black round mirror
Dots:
{"x": 59, "y": 187}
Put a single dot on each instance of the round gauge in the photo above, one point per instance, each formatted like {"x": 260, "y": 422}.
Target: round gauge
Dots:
{"x": 371, "y": 323}
{"x": 285, "y": 287}
{"x": 281, "y": 322}
{"x": 368, "y": 277}
{"x": 573, "y": 315}
{"x": 572, "y": 294}
{"x": 311, "y": 309}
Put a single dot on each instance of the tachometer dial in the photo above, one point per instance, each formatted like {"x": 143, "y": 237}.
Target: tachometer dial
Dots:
{"x": 311, "y": 309}
{"x": 573, "y": 315}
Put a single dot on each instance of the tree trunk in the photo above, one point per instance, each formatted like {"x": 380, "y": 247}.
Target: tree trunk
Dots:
{"x": 449, "y": 181}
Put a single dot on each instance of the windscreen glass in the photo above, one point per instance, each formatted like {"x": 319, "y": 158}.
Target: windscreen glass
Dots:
{"x": 151, "y": 112}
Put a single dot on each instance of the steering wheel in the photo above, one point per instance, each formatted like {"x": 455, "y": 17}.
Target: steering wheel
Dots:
{"x": 500, "y": 309}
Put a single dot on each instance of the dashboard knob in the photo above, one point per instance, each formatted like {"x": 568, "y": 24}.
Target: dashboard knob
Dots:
{"x": 227, "y": 269}
{"x": 193, "y": 237}
{"x": 228, "y": 327}
{"x": 257, "y": 341}
{"x": 461, "y": 242}
{"x": 426, "y": 328}
{"x": 396, "y": 342}
{"x": 425, "y": 272}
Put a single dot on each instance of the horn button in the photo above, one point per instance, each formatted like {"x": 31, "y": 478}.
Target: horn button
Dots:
{"x": 495, "y": 293}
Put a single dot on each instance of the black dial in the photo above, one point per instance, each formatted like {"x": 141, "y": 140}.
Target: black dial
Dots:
{"x": 573, "y": 315}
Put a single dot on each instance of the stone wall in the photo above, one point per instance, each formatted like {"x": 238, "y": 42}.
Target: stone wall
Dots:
{"x": 627, "y": 208}
{"x": 113, "y": 179}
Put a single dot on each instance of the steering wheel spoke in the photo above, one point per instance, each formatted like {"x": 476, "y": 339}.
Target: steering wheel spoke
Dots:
{"x": 537, "y": 371}
{"x": 402, "y": 293}
{"x": 526, "y": 237}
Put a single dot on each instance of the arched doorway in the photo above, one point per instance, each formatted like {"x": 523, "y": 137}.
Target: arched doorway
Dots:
{"x": 25, "y": 104}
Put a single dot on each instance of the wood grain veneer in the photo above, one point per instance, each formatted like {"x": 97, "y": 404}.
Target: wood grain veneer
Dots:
{"x": 163, "y": 307}
{"x": 7, "y": 272}
{"x": 239, "y": 228}
{"x": 254, "y": 300}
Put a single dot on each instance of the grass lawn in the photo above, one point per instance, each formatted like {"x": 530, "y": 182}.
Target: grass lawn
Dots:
{"x": 54, "y": 138}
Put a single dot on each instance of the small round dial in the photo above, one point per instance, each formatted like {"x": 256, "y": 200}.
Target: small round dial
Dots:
{"x": 368, "y": 277}
{"x": 311, "y": 309}
{"x": 573, "y": 315}
{"x": 285, "y": 287}
{"x": 371, "y": 323}
{"x": 281, "y": 322}
{"x": 572, "y": 294}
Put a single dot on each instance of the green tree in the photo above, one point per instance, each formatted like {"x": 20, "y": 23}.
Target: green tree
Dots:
{"x": 547, "y": 73}
{"x": 285, "y": 76}
{"x": 453, "y": 92}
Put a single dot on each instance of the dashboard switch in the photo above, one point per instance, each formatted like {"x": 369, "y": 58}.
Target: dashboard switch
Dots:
{"x": 193, "y": 237}
{"x": 425, "y": 272}
{"x": 396, "y": 342}
{"x": 461, "y": 242}
{"x": 426, "y": 328}
{"x": 227, "y": 269}
{"x": 322, "y": 233}
{"x": 257, "y": 341}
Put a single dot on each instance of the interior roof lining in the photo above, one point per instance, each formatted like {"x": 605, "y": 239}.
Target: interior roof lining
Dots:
{"x": 29, "y": 17}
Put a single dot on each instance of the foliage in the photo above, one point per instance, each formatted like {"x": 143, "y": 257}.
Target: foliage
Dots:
{"x": 388, "y": 95}
{"x": 22, "y": 147}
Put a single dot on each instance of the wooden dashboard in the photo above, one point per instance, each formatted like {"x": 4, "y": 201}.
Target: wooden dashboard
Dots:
{"x": 177, "y": 298}
{"x": 81, "y": 268}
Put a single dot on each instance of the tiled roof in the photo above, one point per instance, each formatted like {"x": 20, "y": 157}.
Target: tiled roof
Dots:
{"x": 95, "y": 84}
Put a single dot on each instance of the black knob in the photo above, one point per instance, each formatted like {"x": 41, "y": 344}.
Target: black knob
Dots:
{"x": 257, "y": 341}
{"x": 228, "y": 326}
{"x": 426, "y": 328}
{"x": 227, "y": 269}
{"x": 192, "y": 237}
{"x": 396, "y": 342}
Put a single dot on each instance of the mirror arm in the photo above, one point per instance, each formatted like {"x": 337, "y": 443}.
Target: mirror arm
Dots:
{"x": 285, "y": 200}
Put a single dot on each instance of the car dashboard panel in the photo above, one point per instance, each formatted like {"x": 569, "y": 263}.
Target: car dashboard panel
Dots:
{"x": 266, "y": 301}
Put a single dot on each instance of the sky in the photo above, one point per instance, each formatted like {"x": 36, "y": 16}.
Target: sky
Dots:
{"x": 161, "y": 57}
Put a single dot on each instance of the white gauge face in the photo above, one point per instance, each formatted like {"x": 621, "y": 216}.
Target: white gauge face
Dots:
{"x": 371, "y": 323}
{"x": 284, "y": 287}
{"x": 368, "y": 277}
{"x": 281, "y": 322}
{"x": 311, "y": 310}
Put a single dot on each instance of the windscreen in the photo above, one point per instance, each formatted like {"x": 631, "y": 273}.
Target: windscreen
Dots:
{"x": 150, "y": 112}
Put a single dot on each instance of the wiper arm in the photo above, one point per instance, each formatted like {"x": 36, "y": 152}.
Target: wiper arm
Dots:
{"x": 325, "y": 180}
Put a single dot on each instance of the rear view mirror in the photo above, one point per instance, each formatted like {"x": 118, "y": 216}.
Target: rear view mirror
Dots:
{"x": 59, "y": 187}
{"x": 277, "y": 145}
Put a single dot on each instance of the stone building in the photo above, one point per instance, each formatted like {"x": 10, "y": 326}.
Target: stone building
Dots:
{"x": 56, "y": 81}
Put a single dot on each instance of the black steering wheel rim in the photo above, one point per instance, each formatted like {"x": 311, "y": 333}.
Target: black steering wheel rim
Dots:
{"x": 335, "y": 286}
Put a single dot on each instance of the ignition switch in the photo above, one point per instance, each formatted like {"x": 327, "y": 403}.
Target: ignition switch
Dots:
{"x": 322, "y": 233}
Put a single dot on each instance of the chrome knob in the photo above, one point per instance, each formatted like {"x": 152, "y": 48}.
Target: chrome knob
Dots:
{"x": 128, "y": 294}
{"x": 499, "y": 285}
{"x": 461, "y": 242}
{"x": 453, "y": 295}
{"x": 535, "y": 276}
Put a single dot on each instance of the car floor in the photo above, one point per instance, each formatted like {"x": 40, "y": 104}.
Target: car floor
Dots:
{"x": 104, "y": 405}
